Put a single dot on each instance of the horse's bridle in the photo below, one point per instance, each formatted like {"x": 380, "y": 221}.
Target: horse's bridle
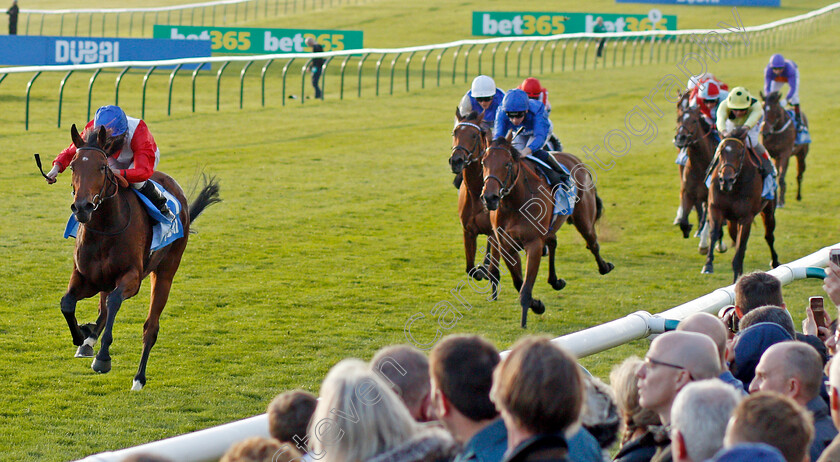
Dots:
{"x": 505, "y": 188}
{"x": 109, "y": 178}
{"x": 774, "y": 130}
{"x": 472, "y": 152}
{"x": 727, "y": 164}
{"x": 697, "y": 121}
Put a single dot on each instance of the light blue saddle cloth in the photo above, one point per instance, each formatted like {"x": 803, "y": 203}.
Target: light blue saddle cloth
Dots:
{"x": 564, "y": 201}
{"x": 163, "y": 232}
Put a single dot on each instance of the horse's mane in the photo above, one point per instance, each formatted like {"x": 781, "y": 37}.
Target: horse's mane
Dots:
{"x": 504, "y": 143}
{"x": 112, "y": 143}
{"x": 471, "y": 117}
{"x": 773, "y": 98}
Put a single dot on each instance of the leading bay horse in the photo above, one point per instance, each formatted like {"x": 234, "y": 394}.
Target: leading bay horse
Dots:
{"x": 735, "y": 196}
{"x": 778, "y": 135}
{"x": 469, "y": 140}
{"x": 112, "y": 255}
{"x": 694, "y": 135}
{"x": 514, "y": 189}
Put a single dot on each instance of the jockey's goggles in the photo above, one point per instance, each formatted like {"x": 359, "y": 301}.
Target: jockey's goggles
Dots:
{"x": 484, "y": 99}
{"x": 710, "y": 101}
{"x": 778, "y": 69}
{"x": 516, "y": 115}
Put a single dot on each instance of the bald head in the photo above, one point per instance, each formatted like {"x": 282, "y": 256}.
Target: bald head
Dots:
{"x": 791, "y": 368}
{"x": 708, "y": 325}
{"x": 697, "y": 353}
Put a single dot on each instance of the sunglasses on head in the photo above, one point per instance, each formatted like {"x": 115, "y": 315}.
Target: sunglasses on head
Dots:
{"x": 484, "y": 99}
{"x": 516, "y": 115}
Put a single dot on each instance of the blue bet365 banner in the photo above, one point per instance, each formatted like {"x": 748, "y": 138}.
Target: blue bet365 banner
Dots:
{"x": 26, "y": 50}
{"x": 709, "y": 2}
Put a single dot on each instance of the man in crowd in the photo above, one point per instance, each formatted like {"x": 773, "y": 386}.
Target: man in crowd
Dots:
{"x": 774, "y": 419}
{"x": 406, "y": 369}
{"x": 698, "y": 419}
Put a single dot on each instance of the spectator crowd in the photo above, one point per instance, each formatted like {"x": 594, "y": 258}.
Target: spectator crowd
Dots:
{"x": 745, "y": 386}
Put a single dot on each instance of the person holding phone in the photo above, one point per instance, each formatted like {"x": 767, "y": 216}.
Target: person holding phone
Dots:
{"x": 831, "y": 283}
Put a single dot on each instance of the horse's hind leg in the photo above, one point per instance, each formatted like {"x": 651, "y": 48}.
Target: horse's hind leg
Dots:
{"x": 553, "y": 280}
{"x": 91, "y": 331}
{"x": 127, "y": 286}
{"x": 768, "y": 216}
{"x": 586, "y": 228}
{"x": 161, "y": 285}
{"x": 78, "y": 289}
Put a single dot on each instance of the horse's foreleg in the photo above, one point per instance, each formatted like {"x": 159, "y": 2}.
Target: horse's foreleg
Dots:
{"x": 127, "y": 286}
{"x": 801, "y": 152}
{"x": 686, "y": 204}
{"x": 533, "y": 250}
{"x": 91, "y": 331}
{"x": 716, "y": 233}
{"x": 509, "y": 251}
{"x": 744, "y": 228}
{"x": 782, "y": 168}
{"x": 491, "y": 263}
{"x": 768, "y": 216}
{"x": 77, "y": 289}
{"x": 469, "y": 253}
{"x": 555, "y": 282}
{"x": 160, "y": 294}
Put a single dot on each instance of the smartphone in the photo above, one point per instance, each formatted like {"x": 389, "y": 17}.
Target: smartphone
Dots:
{"x": 817, "y": 306}
{"x": 834, "y": 256}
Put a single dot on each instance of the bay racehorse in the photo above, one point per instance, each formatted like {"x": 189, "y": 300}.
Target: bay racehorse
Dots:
{"x": 778, "y": 135}
{"x": 112, "y": 255}
{"x": 694, "y": 135}
{"x": 523, "y": 218}
{"x": 735, "y": 196}
{"x": 469, "y": 140}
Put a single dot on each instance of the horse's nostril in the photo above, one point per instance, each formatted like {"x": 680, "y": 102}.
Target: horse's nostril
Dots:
{"x": 73, "y": 208}
{"x": 88, "y": 207}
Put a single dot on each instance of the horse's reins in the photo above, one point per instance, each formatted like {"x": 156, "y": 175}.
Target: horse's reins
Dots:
{"x": 697, "y": 121}
{"x": 99, "y": 198}
{"x": 775, "y": 131}
{"x": 727, "y": 164}
{"x": 505, "y": 188}
{"x": 470, "y": 152}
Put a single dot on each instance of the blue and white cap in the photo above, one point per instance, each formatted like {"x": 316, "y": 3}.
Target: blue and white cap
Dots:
{"x": 112, "y": 118}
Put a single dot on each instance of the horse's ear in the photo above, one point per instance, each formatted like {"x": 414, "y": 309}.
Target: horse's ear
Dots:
{"x": 509, "y": 136}
{"x": 761, "y": 94}
{"x": 458, "y": 114}
{"x": 77, "y": 139}
{"x": 102, "y": 136}
{"x": 481, "y": 116}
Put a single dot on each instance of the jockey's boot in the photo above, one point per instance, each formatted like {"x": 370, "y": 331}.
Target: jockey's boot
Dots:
{"x": 768, "y": 174}
{"x": 555, "y": 143}
{"x": 459, "y": 178}
{"x": 797, "y": 118}
{"x": 557, "y": 175}
{"x": 158, "y": 199}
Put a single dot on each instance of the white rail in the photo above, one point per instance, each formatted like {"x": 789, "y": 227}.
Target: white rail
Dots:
{"x": 137, "y": 10}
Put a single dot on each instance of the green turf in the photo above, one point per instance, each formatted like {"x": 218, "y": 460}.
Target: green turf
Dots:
{"x": 338, "y": 223}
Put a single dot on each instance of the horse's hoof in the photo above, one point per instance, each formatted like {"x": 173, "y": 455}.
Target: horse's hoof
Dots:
{"x": 102, "y": 367}
{"x": 686, "y": 230}
{"x": 136, "y": 385}
{"x": 798, "y": 197}
{"x": 537, "y": 306}
{"x": 478, "y": 273}
{"x": 722, "y": 247}
{"x": 84, "y": 351}
{"x": 775, "y": 264}
{"x": 708, "y": 269}
{"x": 559, "y": 284}
{"x": 697, "y": 233}
{"x": 703, "y": 250}
{"x": 606, "y": 269}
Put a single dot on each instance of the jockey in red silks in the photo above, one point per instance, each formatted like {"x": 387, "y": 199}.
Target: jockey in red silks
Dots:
{"x": 135, "y": 153}
{"x": 698, "y": 82}
{"x": 535, "y": 90}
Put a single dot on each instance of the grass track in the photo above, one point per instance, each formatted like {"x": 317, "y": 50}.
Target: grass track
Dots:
{"x": 339, "y": 222}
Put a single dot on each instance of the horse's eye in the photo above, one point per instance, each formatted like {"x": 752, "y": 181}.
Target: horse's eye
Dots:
{"x": 102, "y": 168}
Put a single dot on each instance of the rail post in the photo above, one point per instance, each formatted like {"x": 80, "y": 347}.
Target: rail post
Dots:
{"x": 219, "y": 83}
{"x": 262, "y": 81}
{"x": 171, "y": 81}
{"x": 241, "y": 81}
{"x": 28, "y": 90}
{"x": 145, "y": 81}
{"x": 61, "y": 94}
{"x": 117, "y": 85}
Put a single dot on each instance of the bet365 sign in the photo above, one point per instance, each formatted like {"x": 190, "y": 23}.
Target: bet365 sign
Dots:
{"x": 261, "y": 41}
{"x": 506, "y": 23}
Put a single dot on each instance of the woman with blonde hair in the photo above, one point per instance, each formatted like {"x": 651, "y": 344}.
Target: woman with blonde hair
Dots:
{"x": 635, "y": 447}
{"x": 359, "y": 418}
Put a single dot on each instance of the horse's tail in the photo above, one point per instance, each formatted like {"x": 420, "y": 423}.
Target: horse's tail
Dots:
{"x": 599, "y": 207}
{"x": 208, "y": 196}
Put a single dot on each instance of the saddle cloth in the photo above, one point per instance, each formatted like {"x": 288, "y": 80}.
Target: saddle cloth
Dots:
{"x": 163, "y": 232}
{"x": 564, "y": 201}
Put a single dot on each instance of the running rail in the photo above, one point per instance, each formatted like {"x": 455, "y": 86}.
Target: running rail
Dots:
{"x": 210, "y": 444}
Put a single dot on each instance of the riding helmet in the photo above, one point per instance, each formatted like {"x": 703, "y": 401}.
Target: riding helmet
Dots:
{"x": 532, "y": 87}
{"x": 710, "y": 91}
{"x": 112, "y": 118}
{"x": 739, "y": 98}
{"x": 777, "y": 60}
{"x": 515, "y": 100}
{"x": 483, "y": 87}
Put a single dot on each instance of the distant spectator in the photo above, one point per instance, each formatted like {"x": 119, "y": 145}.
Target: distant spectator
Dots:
{"x": 674, "y": 360}
{"x": 316, "y": 66}
{"x": 538, "y": 388}
{"x": 699, "y": 417}
{"x": 461, "y": 369}
{"x": 13, "y": 17}
{"x": 600, "y": 415}
{"x": 749, "y": 452}
{"x": 407, "y": 370}
{"x": 259, "y": 449}
{"x": 711, "y": 326}
{"x": 146, "y": 458}
{"x": 600, "y": 28}
{"x": 750, "y": 344}
{"x": 794, "y": 369}
{"x": 769, "y": 313}
{"x": 637, "y": 444}
{"x": 757, "y": 289}
{"x": 382, "y": 429}
{"x": 289, "y": 415}
{"x": 774, "y": 419}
